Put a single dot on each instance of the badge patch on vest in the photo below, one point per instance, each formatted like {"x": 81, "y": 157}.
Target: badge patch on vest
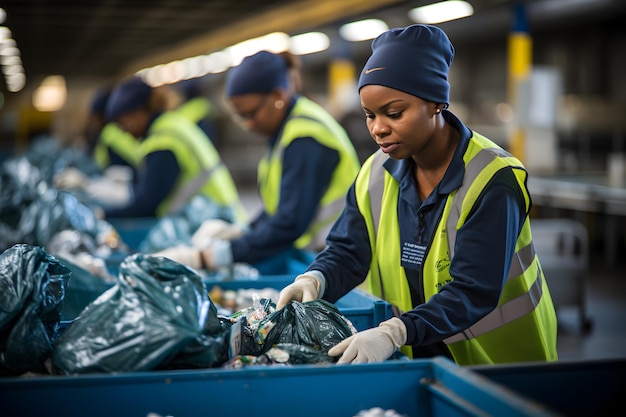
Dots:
{"x": 412, "y": 254}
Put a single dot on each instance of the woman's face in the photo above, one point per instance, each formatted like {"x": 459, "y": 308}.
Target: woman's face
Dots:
{"x": 401, "y": 124}
{"x": 259, "y": 112}
{"x": 135, "y": 122}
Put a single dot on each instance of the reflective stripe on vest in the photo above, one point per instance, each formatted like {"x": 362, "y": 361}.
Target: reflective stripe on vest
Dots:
{"x": 185, "y": 193}
{"x": 506, "y": 313}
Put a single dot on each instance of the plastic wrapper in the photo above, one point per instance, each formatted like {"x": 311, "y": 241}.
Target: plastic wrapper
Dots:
{"x": 281, "y": 354}
{"x": 158, "y": 315}
{"x": 314, "y": 326}
{"x": 32, "y": 284}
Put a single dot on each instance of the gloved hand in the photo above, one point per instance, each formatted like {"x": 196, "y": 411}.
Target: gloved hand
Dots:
{"x": 108, "y": 192}
{"x": 215, "y": 229}
{"x": 371, "y": 345}
{"x": 70, "y": 178}
{"x": 304, "y": 288}
{"x": 216, "y": 255}
{"x": 182, "y": 254}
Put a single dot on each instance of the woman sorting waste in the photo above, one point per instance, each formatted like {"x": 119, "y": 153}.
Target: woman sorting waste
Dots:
{"x": 436, "y": 223}
{"x": 302, "y": 179}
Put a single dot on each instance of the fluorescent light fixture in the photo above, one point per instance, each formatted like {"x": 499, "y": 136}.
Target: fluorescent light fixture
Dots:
{"x": 15, "y": 82}
{"x": 274, "y": 42}
{"x": 51, "y": 94}
{"x": 441, "y": 12}
{"x": 308, "y": 43}
{"x": 362, "y": 30}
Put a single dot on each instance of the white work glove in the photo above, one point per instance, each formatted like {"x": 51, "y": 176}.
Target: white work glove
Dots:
{"x": 304, "y": 288}
{"x": 70, "y": 178}
{"x": 182, "y": 254}
{"x": 216, "y": 255}
{"x": 371, "y": 345}
{"x": 108, "y": 192}
{"x": 215, "y": 229}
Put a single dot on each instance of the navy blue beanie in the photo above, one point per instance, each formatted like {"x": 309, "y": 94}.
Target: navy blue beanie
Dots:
{"x": 127, "y": 96}
{"x": 257, "y": 74}
{"x": 414, "y": 59}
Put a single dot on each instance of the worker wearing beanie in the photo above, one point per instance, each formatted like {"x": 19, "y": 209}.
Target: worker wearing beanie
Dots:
{"x": 437, "y": 223}
{"x": 109, "y": 143}
{"x": 114, "y": 151}
{"x": 303, "y": 178}
{"x": 177, "y": 161}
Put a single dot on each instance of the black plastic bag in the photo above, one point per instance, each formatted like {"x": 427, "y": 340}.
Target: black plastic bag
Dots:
{"x": 32, "y": 285}
{"x": 158, "y": 309}
{"x": 316, "y": 324}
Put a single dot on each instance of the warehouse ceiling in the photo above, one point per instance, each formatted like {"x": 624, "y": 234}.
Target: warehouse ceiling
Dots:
{"x": 109, "y": 38}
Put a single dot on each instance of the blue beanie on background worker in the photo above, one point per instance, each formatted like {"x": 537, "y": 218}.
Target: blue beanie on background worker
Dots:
{"x": 177, "y": 160}
{"x": 302, "y": 178}
{"x": 436, "y": 223}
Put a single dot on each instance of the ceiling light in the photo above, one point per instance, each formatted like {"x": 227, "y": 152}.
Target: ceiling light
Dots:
{"x": 308, "y": 43}
{"x": 51, "y": 94}
{"x": 441, "y": 12}
{"x": 362, "y": 30}
{"x": 274, "y": 42}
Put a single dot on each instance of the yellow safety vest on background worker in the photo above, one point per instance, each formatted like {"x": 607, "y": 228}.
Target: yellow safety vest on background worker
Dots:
{"x": 525, "y": 305}
{"x": 119, "y": 141}
{"x": 201, "y": 168}
{"x": 195, "y": 109}
{"x": 308, "y": 119}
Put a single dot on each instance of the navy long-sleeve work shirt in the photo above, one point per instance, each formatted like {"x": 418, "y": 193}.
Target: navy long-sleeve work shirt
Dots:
{"x": 155, "y": 180}
{"x": 484, "y": 248}
{"x": 307, "y": 170}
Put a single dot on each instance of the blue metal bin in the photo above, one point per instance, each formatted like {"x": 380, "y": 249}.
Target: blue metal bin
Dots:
{"x": 419, "y": 388}
{"x": 133, "y": 230}
{"x": 572, "y": 388}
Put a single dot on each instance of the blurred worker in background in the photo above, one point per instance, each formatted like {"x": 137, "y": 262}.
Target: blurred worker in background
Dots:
{"x": 303, "y": 178}
{"x": 115, "y": 152}
{"x": 196, "y": 105}
{"x": 436, "y": 223}
{"x": 111, "y": 144}
{"x": 177, "y": 161}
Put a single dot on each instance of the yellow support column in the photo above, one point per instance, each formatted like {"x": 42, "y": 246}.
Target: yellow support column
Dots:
{"x": 520, "y": 64}
{"x": 342, "y": 92}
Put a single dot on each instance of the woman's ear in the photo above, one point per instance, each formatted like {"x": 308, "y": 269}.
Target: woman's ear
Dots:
{"x": 280, "y": 98}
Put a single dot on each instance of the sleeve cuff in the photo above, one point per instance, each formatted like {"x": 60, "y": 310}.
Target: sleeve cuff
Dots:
{"x": 319, "y": 276}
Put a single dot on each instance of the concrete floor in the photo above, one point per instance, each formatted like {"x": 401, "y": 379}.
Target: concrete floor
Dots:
{"x": 605, "y": 306}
